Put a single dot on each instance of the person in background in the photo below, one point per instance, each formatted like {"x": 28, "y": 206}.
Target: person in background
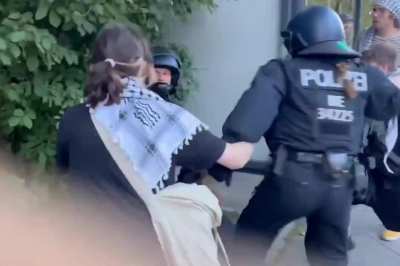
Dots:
{"x": 167, "y": 65}
{"x": 311, "y": 110}
{"x": 348, "y": 24}
{"x": 384, "y": 147}
{"x": 385, "y": 26}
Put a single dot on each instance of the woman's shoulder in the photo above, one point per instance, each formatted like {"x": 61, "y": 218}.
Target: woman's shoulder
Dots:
{"x": 77, "y": 109}
{"x": 76, "y": 112}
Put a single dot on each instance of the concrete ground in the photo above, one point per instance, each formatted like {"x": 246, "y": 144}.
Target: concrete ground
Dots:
{"x": 288, "y": 249}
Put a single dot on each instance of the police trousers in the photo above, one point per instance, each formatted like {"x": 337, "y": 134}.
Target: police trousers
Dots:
{"x": 302, "y": 190}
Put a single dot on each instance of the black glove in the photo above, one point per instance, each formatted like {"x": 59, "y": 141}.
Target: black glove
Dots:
{"x": 221, "y": 173}
{"x": 189, "y": 176}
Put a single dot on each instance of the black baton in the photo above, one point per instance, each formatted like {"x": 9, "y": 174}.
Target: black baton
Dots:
{"x": 256, "y": 167}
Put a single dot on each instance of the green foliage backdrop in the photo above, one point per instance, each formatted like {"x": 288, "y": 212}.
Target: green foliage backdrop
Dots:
{"x": 44, "y": 45}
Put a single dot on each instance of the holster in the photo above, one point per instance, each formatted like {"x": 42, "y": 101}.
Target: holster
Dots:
{"x": 280, "y": 158}
{"x": 335, "y": 165}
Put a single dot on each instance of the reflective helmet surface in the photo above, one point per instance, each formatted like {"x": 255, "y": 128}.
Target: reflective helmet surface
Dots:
{"x": 165, "y": 58}
{"x": 317, "y": 30}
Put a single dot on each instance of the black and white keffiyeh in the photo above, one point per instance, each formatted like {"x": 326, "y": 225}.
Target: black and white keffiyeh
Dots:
{"x": 148, "y": 129}
{"x": 392, "y": 5}
{"x": 370, "y": 38}
{"x": 392, "y": 133}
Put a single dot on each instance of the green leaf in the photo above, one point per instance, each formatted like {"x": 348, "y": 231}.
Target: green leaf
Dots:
{"x": 27, "y": 122}
{"x": 17, "y": 36}
{"x": 77, "y": 17}
{"x": 13, "y": 121}
{"x": 99, "y": 9}
{"x": 71, "y": 57}
{"x": 3, "y": 44}
{"x": 54, "y": 19}
{"x": 12, "y": 95}
{"x": 67, "y": 26}
{"x": 14, "y": 15}
{"x": 5, "y": 59}
{"x": 42, "y": 10}
{"x": 18, "y": 112}
{"x": 10, "y": 23}
{"x": 88, "y": 26}
{"x": 62, "y": 10}
{"x": 32, "y": 62}
{"x": 46, "y": 43}
{"x": 40, "y": 80}
{"x": 27, "y": 17}
{"x": 15, "y": 51}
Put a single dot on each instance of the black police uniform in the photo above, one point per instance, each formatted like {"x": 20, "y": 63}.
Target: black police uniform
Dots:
{"x": 312, "y": 130}
{"x": 165, "y": 58}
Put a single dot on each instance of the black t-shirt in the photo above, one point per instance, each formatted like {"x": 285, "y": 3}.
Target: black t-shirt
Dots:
{"x": 82, "y": 153}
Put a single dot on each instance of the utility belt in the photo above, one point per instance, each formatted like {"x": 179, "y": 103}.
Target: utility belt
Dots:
{"x": 336, "y": 165}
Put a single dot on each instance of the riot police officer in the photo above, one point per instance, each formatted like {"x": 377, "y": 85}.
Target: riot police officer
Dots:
{"x": 167, "y": 65}
{"x": 168, "y": 68}
{"x": 310, "y": 109}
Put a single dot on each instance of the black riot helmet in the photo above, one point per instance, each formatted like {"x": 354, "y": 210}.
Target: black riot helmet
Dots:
{"x": 317, "y": 31}
{"x": 165, "y": 58}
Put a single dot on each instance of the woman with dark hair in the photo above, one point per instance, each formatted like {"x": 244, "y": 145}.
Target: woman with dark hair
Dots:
{"x": 151, "y": 133}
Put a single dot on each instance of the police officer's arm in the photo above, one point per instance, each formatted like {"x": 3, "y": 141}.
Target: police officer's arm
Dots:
{"x": 384, "y": 97}
{"x": 258, "y": 106}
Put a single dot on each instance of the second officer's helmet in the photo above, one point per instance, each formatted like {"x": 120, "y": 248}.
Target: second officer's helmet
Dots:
{"x": 165, "y": 58}
{"x": 317, "y": 31}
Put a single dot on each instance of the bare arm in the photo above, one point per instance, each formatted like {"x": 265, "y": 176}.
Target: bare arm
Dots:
{"x": 236, "y": 155}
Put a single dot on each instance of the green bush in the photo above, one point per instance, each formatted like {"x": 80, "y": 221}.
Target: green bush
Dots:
{"x": 44, "y": 45}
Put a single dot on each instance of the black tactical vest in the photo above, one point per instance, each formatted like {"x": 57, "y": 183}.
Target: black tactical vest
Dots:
{"x": 315, "y": 114}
